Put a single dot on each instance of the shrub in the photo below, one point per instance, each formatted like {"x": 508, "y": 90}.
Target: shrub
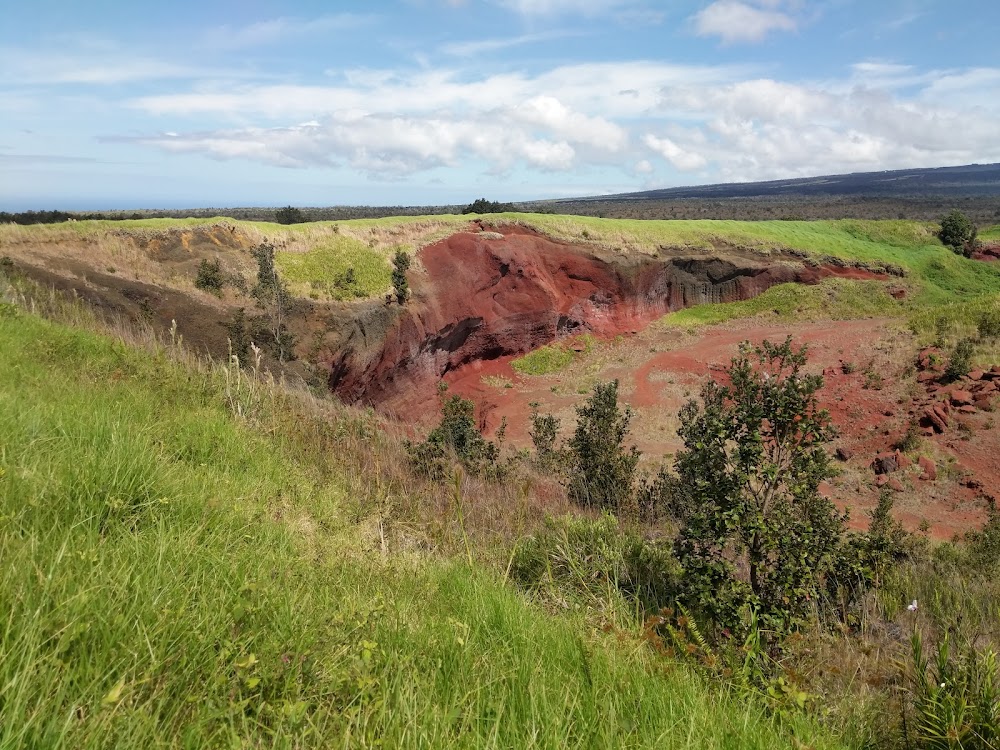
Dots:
{"x": 483, "y": 206}
{"x": 456, "y": 438}
{"x": 289, "y": 215}
{"x": 210, "y": 276}
{"x": 400, "y": 265}
{"x": 989, "y": 324}
{"x": 958, "y": 232}
{"x": 960, "y": 362}
{"x": 984, "y": 544}
{"x": 910, "y": 440}
{"x": 756, "y": 533}
{"x": 239, "y": 339}
{"x": 544, "y": 431}
{"x": 602, "y": 469}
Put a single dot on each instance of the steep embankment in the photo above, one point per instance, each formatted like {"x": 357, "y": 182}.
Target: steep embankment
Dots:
{"x": 183, "y": 573}
{"x": 484, "y": 295}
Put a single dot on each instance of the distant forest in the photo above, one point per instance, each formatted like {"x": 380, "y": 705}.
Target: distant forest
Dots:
{"x": 918, "y": 194}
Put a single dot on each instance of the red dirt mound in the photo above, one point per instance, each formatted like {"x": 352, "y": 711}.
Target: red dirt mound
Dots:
{"x": 480, "y": 296}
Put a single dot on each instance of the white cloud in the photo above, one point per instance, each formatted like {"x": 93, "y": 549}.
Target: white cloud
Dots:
{"x": 476, "y": 47}
{"x": 380, "y": 144}
{"x": 554, "y": 7}
{"x": 643, "y": 167}
{"x": 736, "y": 21}
{"x": 681, "y": 159}
{"x": 724, "y": 123}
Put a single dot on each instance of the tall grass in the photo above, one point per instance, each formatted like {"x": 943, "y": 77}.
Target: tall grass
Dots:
{"x": 178, "y": 575}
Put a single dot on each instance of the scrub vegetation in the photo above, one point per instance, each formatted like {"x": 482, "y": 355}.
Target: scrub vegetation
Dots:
{"x": 202, "y": 556}
{"x": 191, "y": 570}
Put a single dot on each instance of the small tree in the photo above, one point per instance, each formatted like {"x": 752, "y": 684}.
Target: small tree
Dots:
{"x": 239, "y": 339}
{"x": 958, "y": 232}
{"x": 272, "y": 293}
{"x": 289, "y": 215}
{"x": 400, "y": 265}
{"x": 209, "y": 276}
{"x": 602, "y": 469}
{"x": 544, "y": 432}
{"x": 755, "y": 531}
{"x": 456, "y": 437}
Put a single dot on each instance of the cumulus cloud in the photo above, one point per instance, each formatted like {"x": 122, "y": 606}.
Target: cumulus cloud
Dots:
{"x": 736, "y": 21}
{"x": 715, "y": 122}
{"x": 380, "y": 145}
{"x": 681, "y": 159}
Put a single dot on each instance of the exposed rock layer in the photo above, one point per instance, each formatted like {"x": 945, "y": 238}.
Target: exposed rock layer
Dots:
{"x": 477, "y": 297}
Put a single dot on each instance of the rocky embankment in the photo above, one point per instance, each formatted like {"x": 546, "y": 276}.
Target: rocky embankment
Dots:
{"x": 483, "y": 295}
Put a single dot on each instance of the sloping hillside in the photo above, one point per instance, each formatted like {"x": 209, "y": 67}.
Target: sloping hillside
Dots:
{"x": 190, "y": 566}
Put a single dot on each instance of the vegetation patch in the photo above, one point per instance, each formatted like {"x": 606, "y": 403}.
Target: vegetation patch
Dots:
{"x": 990, "y": 234}
{"x": 552, "y": 358}
{"x": 340, "y": 268}
{"x": 187, "y": 574}
{"x": 836, "y": 299}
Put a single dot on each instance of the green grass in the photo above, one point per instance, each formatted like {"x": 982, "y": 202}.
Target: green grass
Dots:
{"x": 317, "y": 252}
{"x": 940, "y": 275}
{"x": 832, "y": 299}
{"x": 175, "y": 576}
{"x": 320, "y": 268}
{"x": 552, "y": 358}
{"x": 990, "y": 234}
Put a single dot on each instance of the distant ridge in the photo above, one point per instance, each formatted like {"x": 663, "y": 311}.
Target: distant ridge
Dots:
{"x": 973, "y": 180}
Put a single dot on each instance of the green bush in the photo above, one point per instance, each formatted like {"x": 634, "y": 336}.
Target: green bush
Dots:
{"x": 960, "y": 361}
{"x": 602, "y": 468}
{"x": 958, "y": 232}
{"x": 483, "y": 206}
{"x": 210, "y": 276}
{"x": 456, "y": 438}
{"x": 289, "y": 215}
{"x": 988, "y": 324}
{"x": 756, "y": 533}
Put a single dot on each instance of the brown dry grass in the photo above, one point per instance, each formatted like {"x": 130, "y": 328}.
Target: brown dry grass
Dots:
{"x": 401, "y": 511}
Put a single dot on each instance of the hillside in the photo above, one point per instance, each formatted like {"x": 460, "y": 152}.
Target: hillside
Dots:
{"x": 215, "y": 556}
{"x": 194, "y": 550}
{"x": 973, "y": 180}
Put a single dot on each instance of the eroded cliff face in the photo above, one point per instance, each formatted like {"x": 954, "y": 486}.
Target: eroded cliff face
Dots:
{"x": 477, "y": 296}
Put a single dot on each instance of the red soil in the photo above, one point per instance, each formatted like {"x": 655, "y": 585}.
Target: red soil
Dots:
{"x": 479, "y": 302}
{"x": 478, "y": 298}
{"x": 987, "y": 252}
{"x": 870, "y": 420}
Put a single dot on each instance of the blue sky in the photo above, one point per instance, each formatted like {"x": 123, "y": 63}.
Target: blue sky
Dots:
{"x": 400, "y": 102}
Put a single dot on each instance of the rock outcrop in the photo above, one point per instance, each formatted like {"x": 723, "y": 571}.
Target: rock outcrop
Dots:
{"x": 480, "y": 296}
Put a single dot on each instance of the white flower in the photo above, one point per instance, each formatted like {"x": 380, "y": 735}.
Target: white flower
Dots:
{"x": 912, "y": 606}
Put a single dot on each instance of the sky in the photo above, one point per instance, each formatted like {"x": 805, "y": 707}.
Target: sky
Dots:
{"x": 184, "y": 104}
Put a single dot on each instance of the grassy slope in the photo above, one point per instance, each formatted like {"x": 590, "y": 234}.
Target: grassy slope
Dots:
{"x": 176, "y": 577}
{"x": 314, "y": 255}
